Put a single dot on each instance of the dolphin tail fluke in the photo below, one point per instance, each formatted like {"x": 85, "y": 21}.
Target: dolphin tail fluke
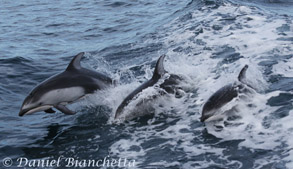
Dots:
{"x": 75, "y": 62}
{"x": 242, "y": 74}
{"x": 159, "y": 70}
{"x": 64, "y": 109}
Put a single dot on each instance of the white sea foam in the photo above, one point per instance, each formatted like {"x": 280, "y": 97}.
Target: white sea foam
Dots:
{"x": 284, "y": 68}
{"x": 254, "y": 37}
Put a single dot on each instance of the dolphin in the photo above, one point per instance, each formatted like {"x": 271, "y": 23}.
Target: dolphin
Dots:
{"x": 225, "y": 95}
{"x": 168, "y": 86}
{"x": 63, "y": 88}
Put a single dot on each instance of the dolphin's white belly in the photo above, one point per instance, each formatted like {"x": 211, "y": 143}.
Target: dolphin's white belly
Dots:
{"x": 64, "y": 95}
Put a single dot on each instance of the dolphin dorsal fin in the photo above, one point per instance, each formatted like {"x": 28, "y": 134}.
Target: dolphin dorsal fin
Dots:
{"x": 159, "y": 69}
{"x": 242, "y": 74}
{"x": 75, "y": 62}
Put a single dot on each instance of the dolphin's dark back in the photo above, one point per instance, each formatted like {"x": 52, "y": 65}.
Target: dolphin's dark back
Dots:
{"x": 73, "y": 76}
{"x": 158, "y": 73}
{"x": 218, "y": 99}
{"x": 96, "y": 75}
{"x": 224, "y": 95}
{"x": 129, "y": 98}
{"x": 74, "y": 67}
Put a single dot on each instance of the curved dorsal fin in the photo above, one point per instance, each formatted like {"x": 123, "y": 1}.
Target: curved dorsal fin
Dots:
{"x": 75, "y": 62}
{"x": 242, "y": 74}
{"x": 159, "y": 69}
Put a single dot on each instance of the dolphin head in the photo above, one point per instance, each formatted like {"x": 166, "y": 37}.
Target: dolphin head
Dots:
{"x": 32, "y": 103}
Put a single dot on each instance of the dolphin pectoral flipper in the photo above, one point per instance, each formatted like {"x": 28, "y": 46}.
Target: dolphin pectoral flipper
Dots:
{"x": 64, "y": 109}
{"x": 50, "y": 111}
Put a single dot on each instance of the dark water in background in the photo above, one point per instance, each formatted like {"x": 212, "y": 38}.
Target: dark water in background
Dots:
{"x": 207, "y": 41}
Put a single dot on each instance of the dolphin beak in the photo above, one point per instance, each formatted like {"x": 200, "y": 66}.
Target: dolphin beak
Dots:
{"x": 22, "y": 112}
{"x": 203, "y": 118}
{"x": 33, "y": 110}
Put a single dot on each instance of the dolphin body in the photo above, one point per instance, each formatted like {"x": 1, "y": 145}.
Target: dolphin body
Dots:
{"x": 169, "y": 85}
{"x": 66, "y": 87}
{"x": 225, "y": 95}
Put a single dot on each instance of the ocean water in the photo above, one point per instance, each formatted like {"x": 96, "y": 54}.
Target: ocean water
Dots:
{"x": 206, "y": 41}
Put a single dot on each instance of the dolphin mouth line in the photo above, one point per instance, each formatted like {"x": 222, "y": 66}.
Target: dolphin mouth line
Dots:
{"x": 33, "y": 110}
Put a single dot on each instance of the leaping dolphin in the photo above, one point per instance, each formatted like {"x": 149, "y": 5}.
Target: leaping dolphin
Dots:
{"x": 169, "y": 85}
{"x": 225, "y": 95}
{"x": 66, "y": 87}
